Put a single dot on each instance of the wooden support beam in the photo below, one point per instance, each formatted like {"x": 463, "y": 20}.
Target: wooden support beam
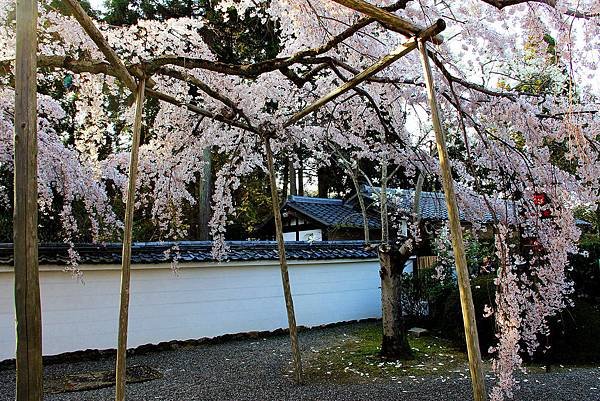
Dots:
{"x": 382, "y": 63}
{"x": 388, "y": 19}
{"x": 94, "y": 33}
{"x": 285, "y": 278}
{"x": 385, "y": 61}
{"x": 127, "y": 238}
{"x": 27, "y": 287}
{"x": 464, "y": 285}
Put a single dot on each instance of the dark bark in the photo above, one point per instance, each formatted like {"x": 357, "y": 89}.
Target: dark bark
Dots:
{"x": 395, "y": 340}
{"x": 301, "y": 179}
{"x": 286, "y": 181}
{"x": 323, "y": 182}
{"x": 292, "y": 178}
{"x": 205, "y": 196}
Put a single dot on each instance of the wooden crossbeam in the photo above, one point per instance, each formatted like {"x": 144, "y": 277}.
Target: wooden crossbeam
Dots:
{"x": 117, "y": 68}
{"x": 385, "y": 61}
{"x": 390, "y": 20}
{"x": 382, "y": 63}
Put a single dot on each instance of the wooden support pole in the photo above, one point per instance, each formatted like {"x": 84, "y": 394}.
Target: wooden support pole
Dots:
{"x": 362, "y": 76}
{"x": 94, "y": 33}
{"x": 27, "y": 287}
{"x": 285, "y": 278}
{"x": 390, "y": 20}
{"x": 119, "y": 70}
{"x": 385, "y": 61}
{"x": 127, "y": 237}
{"x": 466, "y": 298}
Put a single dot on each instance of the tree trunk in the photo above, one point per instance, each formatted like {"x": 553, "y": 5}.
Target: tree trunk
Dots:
{"x": 286, "y": 180}
{"x": 363, "y": 207}
{"x": 395, "y": 341}
{"x": 292, "y": 177}
{"x": 27, "y": 288}
{"x": 385, "y": 237}
{"x": 301, "y": 179}
{"x": 323, "y": 182}
{"x": 359, "y": 197}
{"x": 205, "y": 196}
{"x": 416, "y": 215}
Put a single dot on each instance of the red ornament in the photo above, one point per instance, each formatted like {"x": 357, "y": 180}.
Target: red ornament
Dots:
{"x": 540, "y": 199}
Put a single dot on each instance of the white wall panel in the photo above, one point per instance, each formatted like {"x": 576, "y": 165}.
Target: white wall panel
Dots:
{"x": 205, "y": 300}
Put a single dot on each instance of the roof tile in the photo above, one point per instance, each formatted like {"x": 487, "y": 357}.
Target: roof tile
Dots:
{"x": 195, "y": 251}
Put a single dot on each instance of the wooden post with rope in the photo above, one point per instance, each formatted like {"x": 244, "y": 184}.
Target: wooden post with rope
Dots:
{"x": 127, "y": 238}
{"x": 464, "y": 285}
{"x": 25, "y": 218}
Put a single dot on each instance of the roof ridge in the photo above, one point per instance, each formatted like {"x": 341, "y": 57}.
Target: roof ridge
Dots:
{"x": 312, "y": 199}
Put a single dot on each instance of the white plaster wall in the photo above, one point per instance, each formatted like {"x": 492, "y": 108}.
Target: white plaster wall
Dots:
{"x": 200, "y": 301}
{"x": 305, "y": 235}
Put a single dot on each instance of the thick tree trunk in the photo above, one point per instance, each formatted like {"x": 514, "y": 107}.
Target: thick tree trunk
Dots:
{"x": 27, "y": 289}
{"x": 292, "y": 178}
{"x": 205, "y": 196}
{"x": 395, "y": 341}
{"x": 323, "y": 182}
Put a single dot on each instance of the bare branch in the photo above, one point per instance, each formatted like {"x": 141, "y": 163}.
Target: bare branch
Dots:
{"x": 500, "y": 4}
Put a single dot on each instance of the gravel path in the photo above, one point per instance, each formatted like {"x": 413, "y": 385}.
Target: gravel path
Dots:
{"x": 255, "y": 370}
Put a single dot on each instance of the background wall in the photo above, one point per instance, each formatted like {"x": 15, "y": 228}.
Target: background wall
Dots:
{"x": 198, "y": 301}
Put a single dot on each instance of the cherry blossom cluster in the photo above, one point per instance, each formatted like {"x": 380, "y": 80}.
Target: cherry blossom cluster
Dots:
{"x": 511, "y": 144}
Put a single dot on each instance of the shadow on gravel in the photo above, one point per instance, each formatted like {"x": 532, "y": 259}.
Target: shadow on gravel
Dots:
{"x": 96, "y": 380}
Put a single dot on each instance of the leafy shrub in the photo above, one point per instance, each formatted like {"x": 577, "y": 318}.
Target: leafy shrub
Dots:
{"x": 586, "y": 268}
{"x": 573, "y": 334}
{"x": 446, "y": 314}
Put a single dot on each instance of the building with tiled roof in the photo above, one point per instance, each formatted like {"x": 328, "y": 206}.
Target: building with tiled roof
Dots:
{"x": 432, "y": 205}
{"x": 307, "y": 218}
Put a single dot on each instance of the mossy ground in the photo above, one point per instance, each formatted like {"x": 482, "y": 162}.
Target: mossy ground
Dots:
{"x": 355, "y": 358}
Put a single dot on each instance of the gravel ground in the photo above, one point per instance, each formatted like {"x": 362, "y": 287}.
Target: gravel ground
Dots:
{"x": 256, "y": 370}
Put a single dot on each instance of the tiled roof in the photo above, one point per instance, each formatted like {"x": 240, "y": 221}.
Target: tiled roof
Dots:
{"x": 432, "y": 204}
{"x": 195, "y": 251}
{"x": 330, "y": 212}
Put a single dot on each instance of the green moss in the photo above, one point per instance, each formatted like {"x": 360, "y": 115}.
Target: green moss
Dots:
{"x": 356, "y": 359}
